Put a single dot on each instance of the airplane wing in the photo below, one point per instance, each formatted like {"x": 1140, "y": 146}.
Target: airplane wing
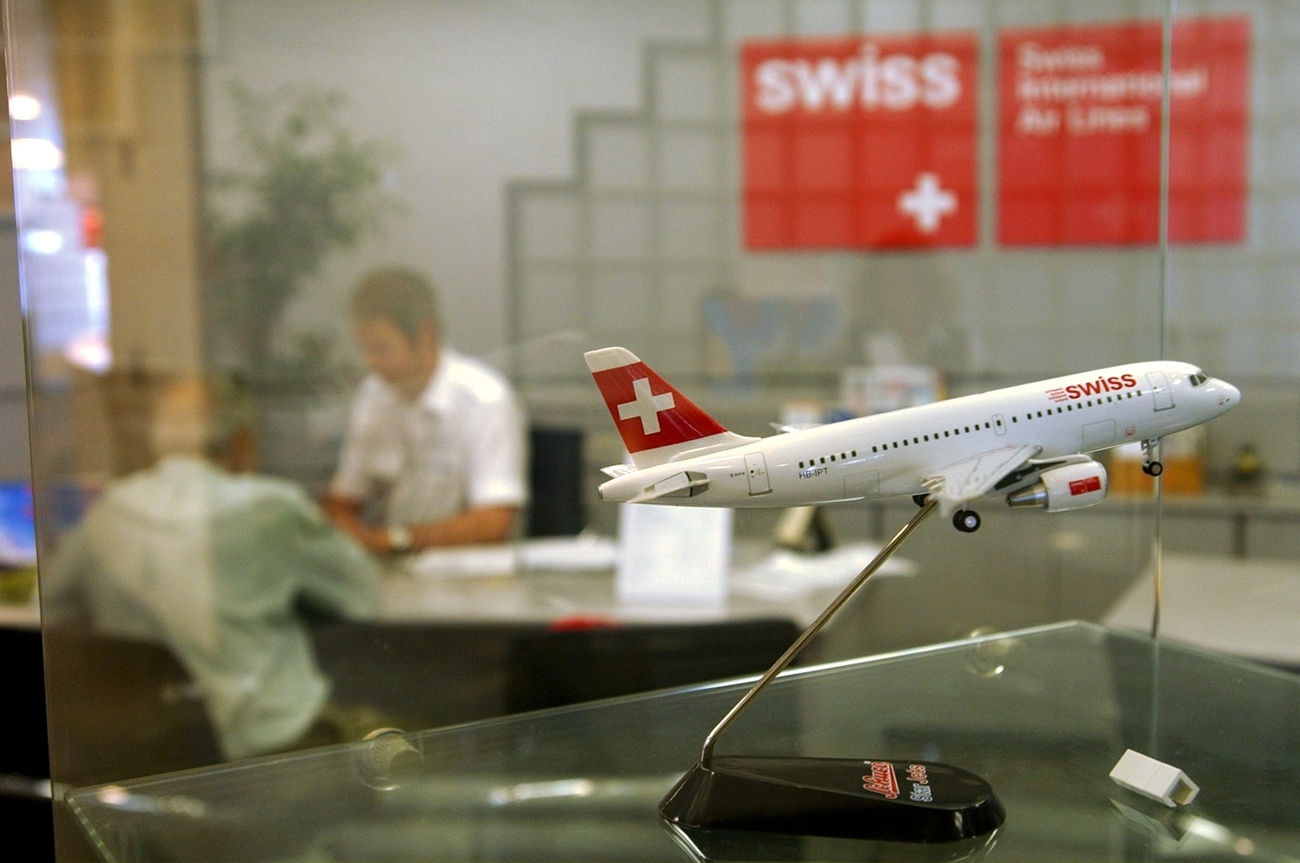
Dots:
{"x": 959, "y": 483}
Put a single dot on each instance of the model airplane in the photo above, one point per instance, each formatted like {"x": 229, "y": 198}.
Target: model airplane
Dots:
{"x": 1027, "y": 443}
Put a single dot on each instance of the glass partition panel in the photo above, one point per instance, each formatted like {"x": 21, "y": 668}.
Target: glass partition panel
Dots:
{"x": 800, "y": 212}
{"x": 1231, "y": 303}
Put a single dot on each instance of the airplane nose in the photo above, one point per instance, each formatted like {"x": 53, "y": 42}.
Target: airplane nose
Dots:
{"x": 1228, "y": 394}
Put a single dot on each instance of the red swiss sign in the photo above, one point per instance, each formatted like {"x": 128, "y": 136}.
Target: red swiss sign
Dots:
{"x": 865, "y": 142}
{"x": 1080, "y": 125}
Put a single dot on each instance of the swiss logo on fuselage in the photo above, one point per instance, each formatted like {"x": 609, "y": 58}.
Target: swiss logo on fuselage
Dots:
{"x": 1097, "y": 387}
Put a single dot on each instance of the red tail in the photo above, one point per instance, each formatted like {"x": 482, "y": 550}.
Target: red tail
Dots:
{"x": 654, "y": 419}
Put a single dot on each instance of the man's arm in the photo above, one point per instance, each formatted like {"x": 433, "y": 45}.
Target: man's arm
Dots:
{"x": 345, "y": 513}
{"x": 484, "y": 524}
{"x": 478, "y": 525}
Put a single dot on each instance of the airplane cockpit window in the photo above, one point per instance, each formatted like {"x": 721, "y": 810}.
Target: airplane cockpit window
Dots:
{"x": 1198, "y": 379}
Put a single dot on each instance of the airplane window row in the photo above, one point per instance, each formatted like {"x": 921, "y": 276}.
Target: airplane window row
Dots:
{"x": 936, "y": 436}
{"x": 1060, "y": 409}
{"x": 844, "y": 456}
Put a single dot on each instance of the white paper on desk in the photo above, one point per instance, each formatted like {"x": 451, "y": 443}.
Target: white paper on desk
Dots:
{"x": 675, "y": 554}
{"x": 473, "y": 561}
{"x": 785, "y": 574}
{"x": 569, "y": 553}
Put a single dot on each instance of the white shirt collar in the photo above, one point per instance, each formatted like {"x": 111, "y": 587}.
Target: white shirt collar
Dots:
{"x": 437, "y": 394}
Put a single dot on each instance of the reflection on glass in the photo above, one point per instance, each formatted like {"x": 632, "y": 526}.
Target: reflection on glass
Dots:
{"x": 198, "y": 187}
{"x": 584, "y": 782}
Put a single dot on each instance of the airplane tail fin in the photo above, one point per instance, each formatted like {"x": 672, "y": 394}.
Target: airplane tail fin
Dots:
{"x": 657, "y": 423}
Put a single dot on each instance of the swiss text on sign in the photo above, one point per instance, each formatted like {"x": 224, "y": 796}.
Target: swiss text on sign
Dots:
{"x": 864, "y": 142}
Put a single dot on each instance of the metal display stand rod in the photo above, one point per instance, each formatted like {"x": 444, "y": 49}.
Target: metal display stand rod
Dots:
{"x": 706, "y": 757}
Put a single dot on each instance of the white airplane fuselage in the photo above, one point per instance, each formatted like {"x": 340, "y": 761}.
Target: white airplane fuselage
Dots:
{"x": 891, "y": 454}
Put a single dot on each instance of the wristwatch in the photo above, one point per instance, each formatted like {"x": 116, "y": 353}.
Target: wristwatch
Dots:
{"x": 399, "y": 538}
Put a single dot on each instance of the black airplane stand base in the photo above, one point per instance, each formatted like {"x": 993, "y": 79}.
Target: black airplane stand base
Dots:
{"x": 898, "y": 801}
{"x": 858, "y": 798}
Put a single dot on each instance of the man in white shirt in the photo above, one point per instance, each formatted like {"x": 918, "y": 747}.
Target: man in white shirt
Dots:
{"x": 436, "y": 438}
{"x": 211, "y": 561}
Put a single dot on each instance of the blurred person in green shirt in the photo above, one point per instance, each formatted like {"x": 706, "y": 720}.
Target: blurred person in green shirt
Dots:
{"x": 199, "y": 554}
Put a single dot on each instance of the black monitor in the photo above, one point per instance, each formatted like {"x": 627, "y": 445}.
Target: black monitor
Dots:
{"x": 556, "y": 482}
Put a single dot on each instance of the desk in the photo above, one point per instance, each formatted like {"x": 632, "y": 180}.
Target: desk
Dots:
{"x": 1043, "y": 714}
{"x": 465, "y": 635}
{"x": 545, "y": 582}
{"x": 445, "y": 650}
{"x": 542, "y": 582}
{"x": 1245, "y": 525}
{"x": 1249, "y": 608}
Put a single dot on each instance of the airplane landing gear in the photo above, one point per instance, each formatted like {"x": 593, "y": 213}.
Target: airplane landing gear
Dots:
{"x": 966, "y": 520}
{"x": 1151, "y": 464}
{"x": 920, "y": 499}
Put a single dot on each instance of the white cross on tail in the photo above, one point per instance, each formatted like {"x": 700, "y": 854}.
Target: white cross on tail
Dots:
{"x": 645, "y": 406}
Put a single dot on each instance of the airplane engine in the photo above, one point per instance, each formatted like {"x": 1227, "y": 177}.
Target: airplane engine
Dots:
{"x": 1073, "y": 486}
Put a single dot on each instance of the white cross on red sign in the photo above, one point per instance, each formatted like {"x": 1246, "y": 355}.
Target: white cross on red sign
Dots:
{"x": 927, "y": 203}
{"x": 645, "y": 406}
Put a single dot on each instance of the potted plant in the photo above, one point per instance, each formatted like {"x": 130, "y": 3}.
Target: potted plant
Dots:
{"x": 302, "y": 188}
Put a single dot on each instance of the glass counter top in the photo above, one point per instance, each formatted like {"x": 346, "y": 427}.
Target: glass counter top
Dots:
{"x": 1042, "y": 714}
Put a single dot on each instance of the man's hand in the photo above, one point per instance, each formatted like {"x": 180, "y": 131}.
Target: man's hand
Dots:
{"x": 484, "y": 524}
{"x": 345, "y": 513}
{"x": 487, "y": 524}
